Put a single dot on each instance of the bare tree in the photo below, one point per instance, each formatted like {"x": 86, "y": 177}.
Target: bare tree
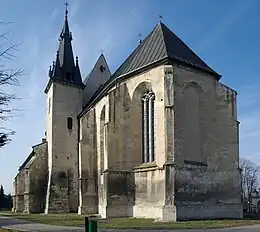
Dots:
{"x": 249, "y": 175}
{"x": 9, "y": 77}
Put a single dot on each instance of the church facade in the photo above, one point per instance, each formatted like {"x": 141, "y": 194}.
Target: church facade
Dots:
{"x": 158, "y": 138}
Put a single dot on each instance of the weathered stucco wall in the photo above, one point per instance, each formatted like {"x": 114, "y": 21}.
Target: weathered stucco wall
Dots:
{"x": 149, "y": 192}
{"x": 20, "y": 190}
{"x": 63, "y": 102}
{"x": 37, "y": 180}
{"x": 14, "y": 196}
{"x": 118, "y": 139}
{"x": 88, "y": 192}
{"x": 207, "y": 177}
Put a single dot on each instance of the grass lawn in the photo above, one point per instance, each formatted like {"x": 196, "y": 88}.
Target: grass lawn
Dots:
{"x": 5, "y": 230}
{"x": 129, "y": 223}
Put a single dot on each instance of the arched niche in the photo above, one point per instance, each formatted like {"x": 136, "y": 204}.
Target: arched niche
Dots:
{"x": 193, "y": 122}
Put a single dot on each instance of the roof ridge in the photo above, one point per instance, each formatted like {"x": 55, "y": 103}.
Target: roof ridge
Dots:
{"x": 160, "y": 24}
{"x": 187, "y": 47}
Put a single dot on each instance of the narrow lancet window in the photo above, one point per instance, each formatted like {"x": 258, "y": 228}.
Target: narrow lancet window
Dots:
{"x": 148, "y": 127}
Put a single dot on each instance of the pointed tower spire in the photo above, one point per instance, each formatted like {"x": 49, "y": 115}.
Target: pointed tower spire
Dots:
{"x": 65, "y": 70}
{"x": 65, "y": 48}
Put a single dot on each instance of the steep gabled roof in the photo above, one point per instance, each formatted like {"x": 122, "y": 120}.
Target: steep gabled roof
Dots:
{"x": 161, "y": 44}
{"x": 159, "y": 47}
{"x": 98, "y": 76}
{"x": 101, "y": 61}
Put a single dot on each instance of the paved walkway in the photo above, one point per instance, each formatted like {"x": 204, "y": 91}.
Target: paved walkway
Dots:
{"x": 21, "y": 225}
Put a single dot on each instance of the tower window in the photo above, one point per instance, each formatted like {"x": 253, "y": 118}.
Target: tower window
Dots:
{"x": 102, "y": 68}
{"x": 69, "y": 123}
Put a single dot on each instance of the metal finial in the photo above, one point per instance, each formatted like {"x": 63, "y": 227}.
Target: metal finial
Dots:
{"x": 57, "y": 54}
{"x": 160, "y": 18}
{"x": 50, "y": 71}
{"x": 102, "y": 51}
{"x": 77, "y": 59}
{"x": 66, "y": 8}
{"x": 53, "y": 63}
{"x": 140, "y": 38}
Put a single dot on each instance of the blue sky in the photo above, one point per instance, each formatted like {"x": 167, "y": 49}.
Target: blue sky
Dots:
{"x": 226, "y": 34}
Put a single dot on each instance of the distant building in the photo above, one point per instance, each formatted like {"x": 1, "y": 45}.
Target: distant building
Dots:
{"x": 158, "y": 138}
{"x": 255, "y": 202}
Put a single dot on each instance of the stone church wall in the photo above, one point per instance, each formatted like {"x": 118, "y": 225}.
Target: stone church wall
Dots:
{"x": 20, "y": 191}
{"x": 207, "y": 177}
{"x": 88, "y": 195}
{"x": 124, "y": 149}
{"x": 62, "y": 192}
{"x": 149, "y": 192}
{"x": 36, "y": 179}
{"x": 196, "y": 149}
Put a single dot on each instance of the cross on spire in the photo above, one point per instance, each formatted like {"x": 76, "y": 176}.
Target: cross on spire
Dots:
{"x": 140, "y": 38}
{"x": 66, "y": 8}
{"x": 160, "y": 18}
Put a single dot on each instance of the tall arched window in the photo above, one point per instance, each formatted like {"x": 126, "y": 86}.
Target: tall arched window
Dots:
{"x": 148, "y": 127}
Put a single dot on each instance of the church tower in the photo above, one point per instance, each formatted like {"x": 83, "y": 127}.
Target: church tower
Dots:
{"x": 64, "y": 103}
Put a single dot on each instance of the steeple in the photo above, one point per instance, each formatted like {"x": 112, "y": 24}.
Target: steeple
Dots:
{"x": 64, "y": 69}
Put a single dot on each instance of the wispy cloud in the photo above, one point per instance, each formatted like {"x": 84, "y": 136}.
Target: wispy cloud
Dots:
{"x": 232, "y": 17}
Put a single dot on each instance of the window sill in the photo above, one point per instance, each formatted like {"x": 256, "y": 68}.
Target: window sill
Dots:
{"x": 146, "y": 167}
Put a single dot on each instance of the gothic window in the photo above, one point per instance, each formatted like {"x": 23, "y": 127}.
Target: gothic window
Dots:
{"x": 148, "y": 127}
{"x": 69, "y": 123}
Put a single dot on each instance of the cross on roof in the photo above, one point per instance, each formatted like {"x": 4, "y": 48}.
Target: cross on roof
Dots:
{"x": 66, "y": 7}
{"x": 140, "y": 38}
{"x": 160, "y": 17}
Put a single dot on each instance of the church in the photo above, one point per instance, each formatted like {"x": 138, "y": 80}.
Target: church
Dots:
{"x": 158, "y": 138}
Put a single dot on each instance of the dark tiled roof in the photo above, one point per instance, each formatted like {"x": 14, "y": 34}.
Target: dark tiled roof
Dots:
{"x": 159, "y": 44}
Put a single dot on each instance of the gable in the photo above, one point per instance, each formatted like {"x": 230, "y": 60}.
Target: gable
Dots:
{"x": 98, "y": 76}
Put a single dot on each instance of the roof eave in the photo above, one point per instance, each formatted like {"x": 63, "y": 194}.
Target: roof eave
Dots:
{"x": 81, "y": 86}
{"x": 27, "y": 160}
{"x": 215, "y": 74}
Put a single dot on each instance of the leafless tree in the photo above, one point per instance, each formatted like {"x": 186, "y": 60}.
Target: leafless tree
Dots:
{"x": 9, "y": 77}
{"x": 250, "y": 173}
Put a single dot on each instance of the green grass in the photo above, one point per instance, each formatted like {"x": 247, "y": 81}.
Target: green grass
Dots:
{"x": 5, "y": 230}
{"x": 129, "y": 223}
